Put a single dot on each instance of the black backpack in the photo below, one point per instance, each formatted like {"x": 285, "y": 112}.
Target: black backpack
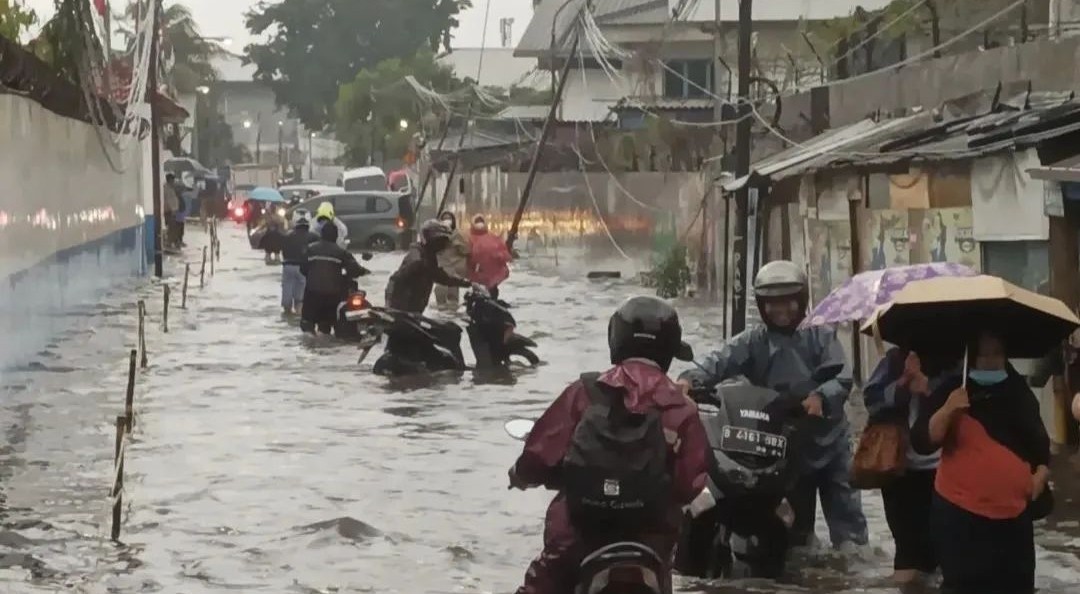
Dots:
{"x": 616, "y": 470}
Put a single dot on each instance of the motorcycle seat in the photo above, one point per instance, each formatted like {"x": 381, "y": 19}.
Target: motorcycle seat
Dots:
{"x": 624, "y": 566}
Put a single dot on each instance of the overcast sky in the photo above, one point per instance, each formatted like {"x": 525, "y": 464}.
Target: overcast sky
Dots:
{"x": 225, "y": 18}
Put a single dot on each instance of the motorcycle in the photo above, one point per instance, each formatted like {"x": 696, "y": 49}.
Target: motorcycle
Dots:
{"x": 493, "y": 333}
{"x": 754, "y": 434}
{"x": 355, "y": 301}
{"x": 415, "y": 344}
{"x": 625, "y": 567}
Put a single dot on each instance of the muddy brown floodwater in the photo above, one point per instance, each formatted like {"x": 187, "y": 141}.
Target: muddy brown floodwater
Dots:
{"x": 263, "y": 461}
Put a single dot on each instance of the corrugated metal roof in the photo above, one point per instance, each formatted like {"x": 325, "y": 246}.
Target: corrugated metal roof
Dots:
{"x": 500, "y": 67}
{"x": 828, "y": 148}
{"x": 664, "y": 103}
{"x": 524, "y": 112}
{"x": 923, "y": 137}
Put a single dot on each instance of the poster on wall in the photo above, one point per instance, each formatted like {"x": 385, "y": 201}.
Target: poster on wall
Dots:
{"x": 829, "y": 253}
{"x": 886, "y": 239}
{"x": 944, "y": 235}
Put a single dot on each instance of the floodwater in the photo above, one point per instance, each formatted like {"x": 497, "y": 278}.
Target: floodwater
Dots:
{"x": 264, "y": 461}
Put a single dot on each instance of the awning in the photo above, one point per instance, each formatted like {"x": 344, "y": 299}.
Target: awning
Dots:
{"x": 828, "y": 148}
{"x": 1067, "y": 170}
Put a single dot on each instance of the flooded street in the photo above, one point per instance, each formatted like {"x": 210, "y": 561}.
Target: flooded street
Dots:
{"x": 265, "y": 461}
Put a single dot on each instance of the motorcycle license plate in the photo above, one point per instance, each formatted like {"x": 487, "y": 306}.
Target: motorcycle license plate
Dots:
{"x": 750, "y": 441}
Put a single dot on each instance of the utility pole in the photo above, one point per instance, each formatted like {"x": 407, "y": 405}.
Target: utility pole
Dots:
{"x": 741, "y": 267}
{"x": 310, "y": 156}
{"x": 155, "y": 140}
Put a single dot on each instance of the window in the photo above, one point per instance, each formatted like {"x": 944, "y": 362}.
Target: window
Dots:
{"x": 1022, "y": 263}
{"x": 693, "y": 78}
{"x": 350, "y": 205}
{"x": 378, "y": 204}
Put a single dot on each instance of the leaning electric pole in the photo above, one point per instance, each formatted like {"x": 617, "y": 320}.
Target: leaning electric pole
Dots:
{"x": 740, "y": 270}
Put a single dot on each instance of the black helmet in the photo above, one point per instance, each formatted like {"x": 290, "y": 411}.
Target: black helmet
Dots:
{"x": 648, "y": 328}
{"x": 781, "y": 278}
{"x": 434, "y": 233}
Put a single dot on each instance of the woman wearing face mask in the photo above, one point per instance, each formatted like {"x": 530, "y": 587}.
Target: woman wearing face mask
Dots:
{"x": 994, "y": 456}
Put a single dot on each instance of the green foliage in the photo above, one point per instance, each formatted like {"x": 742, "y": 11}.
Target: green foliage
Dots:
{"x": 671, "y": 276}
{"x": 183, "y": 45}
{"x": 66, "y": 42}
{"x": 834, "y": 30}
{"x": 313, "y": 48}
{"x": 370, "y": 108}
{"x": 15, "y": 19}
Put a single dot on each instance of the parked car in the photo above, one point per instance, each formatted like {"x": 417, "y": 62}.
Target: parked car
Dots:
{"x": 296, "y": 193}
{"x": 376, "y": 220}
{"x": 364, "y": 179}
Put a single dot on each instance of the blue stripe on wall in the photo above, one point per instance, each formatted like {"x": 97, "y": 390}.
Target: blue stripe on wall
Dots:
{"x": 35, "y": 303}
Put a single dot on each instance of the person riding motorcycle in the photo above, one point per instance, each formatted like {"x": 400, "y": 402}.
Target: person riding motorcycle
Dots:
{"x": 780, "y": 355}
{"x": 409, "y": 289}
{"x": 644, "y": 336}
{"x": 325, "y": 214}
{"x": 329, "y": 268}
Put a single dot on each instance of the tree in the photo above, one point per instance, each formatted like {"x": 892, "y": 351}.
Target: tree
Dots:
{"x": 68, "y": 43}
{"x": 15, "y": 19}
{"x": 369, "y": 109}
{"x": 183, "y": 46}
{"x": 314, "y": 47}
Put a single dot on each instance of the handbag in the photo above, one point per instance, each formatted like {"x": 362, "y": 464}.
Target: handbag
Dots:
{"x": 881, "y": 455}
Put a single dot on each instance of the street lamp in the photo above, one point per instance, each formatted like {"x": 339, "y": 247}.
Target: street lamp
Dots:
{"x": 403, "y": 124}
{"x": 247, "y": 124}
{"x": 202, "y": 89}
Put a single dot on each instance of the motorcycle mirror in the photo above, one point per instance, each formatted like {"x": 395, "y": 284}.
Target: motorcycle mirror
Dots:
{"x": 519, "y": 429}
{"x": 366, "y": 256}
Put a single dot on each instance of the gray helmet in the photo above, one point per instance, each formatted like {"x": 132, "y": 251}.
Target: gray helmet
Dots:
{"x": 780, "y": 278}
{"x": 433, "y": 232}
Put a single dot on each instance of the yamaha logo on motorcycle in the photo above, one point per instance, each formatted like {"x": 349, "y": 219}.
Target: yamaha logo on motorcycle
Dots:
{"x": 757, "y": 415}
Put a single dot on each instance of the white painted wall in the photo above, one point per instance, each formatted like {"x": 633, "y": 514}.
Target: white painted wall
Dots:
{"x": 71, "y": 220}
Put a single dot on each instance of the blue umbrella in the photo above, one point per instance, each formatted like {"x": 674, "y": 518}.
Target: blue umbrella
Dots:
{"x": 265, "y": 195}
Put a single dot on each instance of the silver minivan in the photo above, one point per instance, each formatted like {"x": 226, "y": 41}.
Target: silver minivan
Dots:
{"x": 375, "y": 220}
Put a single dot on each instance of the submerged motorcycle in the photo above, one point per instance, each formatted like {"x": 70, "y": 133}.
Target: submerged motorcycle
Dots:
{"x": 618, "y": 568}
{"x": 417, "y": 344}
{"x": 754, "y": 434}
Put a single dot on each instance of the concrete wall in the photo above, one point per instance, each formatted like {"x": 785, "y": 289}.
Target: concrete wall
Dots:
{"x": 1050, "y": 65}
{"x": 71, "y": 222}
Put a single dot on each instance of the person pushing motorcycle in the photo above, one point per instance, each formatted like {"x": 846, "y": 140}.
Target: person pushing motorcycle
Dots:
{"x": 779, "y": 355}
{"x": 409, "y": 288}
{"x": 625, "y": 449}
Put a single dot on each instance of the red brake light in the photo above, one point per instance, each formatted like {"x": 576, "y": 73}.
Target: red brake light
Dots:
{"x": 400, "y": 223}
{"x": 239, "y": 211}
{"x": 357, "y": 301}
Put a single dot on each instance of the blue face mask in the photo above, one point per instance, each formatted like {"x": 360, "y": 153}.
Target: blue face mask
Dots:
{"x": 988, "y": 377}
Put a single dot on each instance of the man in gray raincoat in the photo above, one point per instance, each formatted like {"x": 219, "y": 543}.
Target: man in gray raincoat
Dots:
{"x": 779, "y": 354}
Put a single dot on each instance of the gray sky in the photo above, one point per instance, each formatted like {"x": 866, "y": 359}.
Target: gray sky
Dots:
{"x": 225, "y": 18}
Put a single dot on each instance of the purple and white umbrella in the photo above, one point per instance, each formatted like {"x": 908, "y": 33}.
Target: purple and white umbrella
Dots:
{"x": 858, "y": 298}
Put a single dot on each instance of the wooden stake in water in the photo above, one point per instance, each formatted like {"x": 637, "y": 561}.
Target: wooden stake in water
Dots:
{"x": 142, "y": 333}
{"x": 129, "y": 399}
{"x": 183, "y": 292}
{"x": 118, "y": 479}
{"x": 212, "y": 248}
{"x": 202, "y": 271}
{"x": 166, "y": 293}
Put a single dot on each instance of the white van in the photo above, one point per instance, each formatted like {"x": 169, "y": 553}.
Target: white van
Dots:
{"x": 364, "y": 179}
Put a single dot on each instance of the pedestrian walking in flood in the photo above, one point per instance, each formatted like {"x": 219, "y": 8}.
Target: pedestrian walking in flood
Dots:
{"x": 895, "y": 393}
{"x": 293, "y": 258}
{"x": 489, "y": 260}
{"x": 992, "y": 480}
{"x": 454, "y": 260}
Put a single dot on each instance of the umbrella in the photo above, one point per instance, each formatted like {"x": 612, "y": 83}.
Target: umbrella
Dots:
{"x": 857, "y": 299}
{"x": 951, "y": 309}
{"x": 263, "y": 194}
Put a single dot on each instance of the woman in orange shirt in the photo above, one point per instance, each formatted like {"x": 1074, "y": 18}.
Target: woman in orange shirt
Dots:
{"x": 994, "y": 457}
